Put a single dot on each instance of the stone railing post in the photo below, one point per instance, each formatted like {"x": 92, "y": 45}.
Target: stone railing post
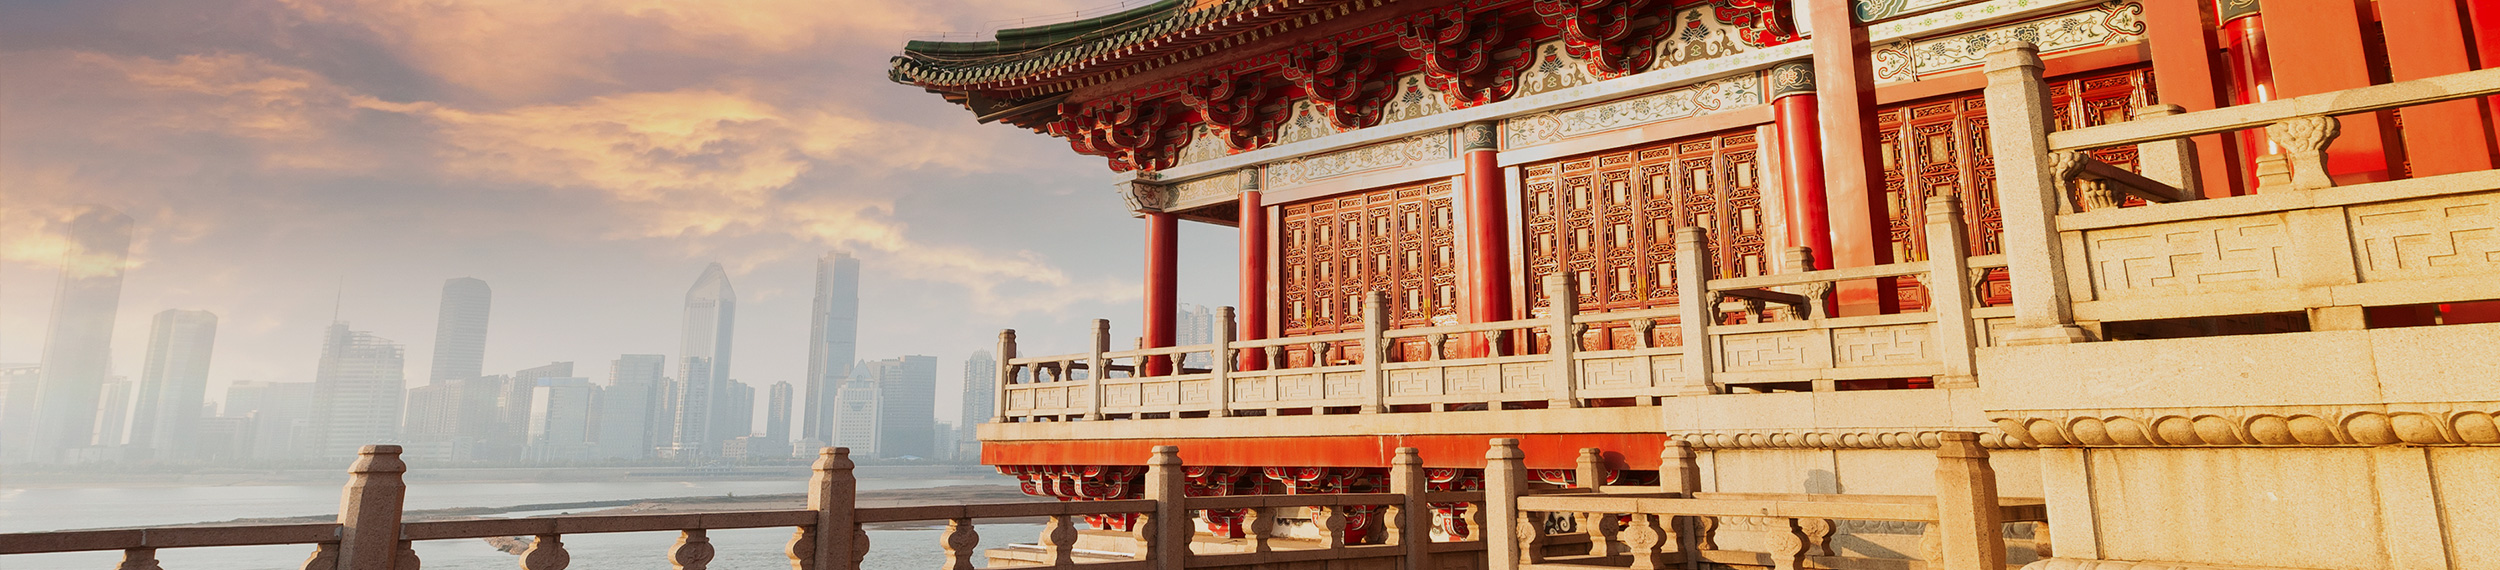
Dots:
{"x": 1679, "y": 475}
{"x": 1602, "y": 528}
{"x": 1969, "y": 524}
{"x": 1563, "y": 303}
{"x": 1949, "y": 283}
{"x": 2172, "y": 161}
{"x": 1170, "y": 530}
{"x": 2028, "y": 196}
{"x": 1097, "y": 367}
{"x": 1505, "y": 479}
{"x": 1006, "y": 374}
{"x": 1222, "y": 382}
{"x": 1376, "y": 349}
{"x": 1696, "y": 306}
{"x": 369, "y": 510}
{"x": 1414, "y": 517}
{"x": 835, "y": 542}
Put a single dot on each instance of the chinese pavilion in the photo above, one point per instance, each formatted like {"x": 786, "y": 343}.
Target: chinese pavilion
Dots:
{"x": 2217, "y": 282}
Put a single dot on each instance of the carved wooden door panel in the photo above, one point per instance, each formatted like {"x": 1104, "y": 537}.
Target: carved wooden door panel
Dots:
{"x": 1608, "y": 221}
{"x": 1940, "y": 146}
{"x": 1334, "y": 251}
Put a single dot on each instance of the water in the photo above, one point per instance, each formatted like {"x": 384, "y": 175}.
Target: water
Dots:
{"x": 31, "y": 510}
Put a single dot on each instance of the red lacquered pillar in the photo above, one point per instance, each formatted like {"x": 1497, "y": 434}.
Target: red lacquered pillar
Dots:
{"x": 2252, "y": 76}
{"x": 1162, "y": 270}
{"x": 1853, "y": 170}
{"x": 1254, "y": 286}
{"x": 2425, "y": 39}
{"x": 1488, "y": 229}
{"x": 1801, "y": 160}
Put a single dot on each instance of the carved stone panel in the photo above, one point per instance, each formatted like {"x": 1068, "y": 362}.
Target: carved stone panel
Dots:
{"x": 1195, "y": 392}
{"x": 1770, "y": 351}
{"x": 1120, "y": 395}
{"x": 1050, "y": 398}
{"x": 2435, "y": 237}
{"x": 2171, "y": 258}
{"x": 1882, "y": 346}
{"x": 1524, "y": 378}
{"x": 1609, "y": 373}
{"x": 1471, "y": 380}
{"x": 1421, "y": 382}
{"x": 1160, "y": 394}
{"x": 1298, "y": 387}
{"x": 1254, "y": 390}
{"x": 1020, "y": 399}
{"x": 1666, "y": 370}
{"x": 1339, "y": 385}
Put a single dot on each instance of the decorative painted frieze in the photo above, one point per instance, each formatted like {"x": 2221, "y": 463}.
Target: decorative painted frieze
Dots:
{"x": 1834, "y": 439}
{"x": 1204, "y": 145}
{"x": 1738, "y": 91}
{"x": 1555, "y": 70}
{"x": 2107, "y": 23}
{"x": 1425, "y": 148}
{"x": 1215, "y": 188}
{"x": 1792, "y": 78}
{"x": 1305, "y": 122}
{"x": 1459, "y": 53}
{"x": 1874, "y": 10}
{"x": 1413, "y": 99}
{"x": 1338, "y": 81}
{"x": 2468, "y": 423}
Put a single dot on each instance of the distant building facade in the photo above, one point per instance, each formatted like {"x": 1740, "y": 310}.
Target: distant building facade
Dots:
{"x": 560, "y": 418}
{"x": 980, "y": 399}
{"x": 629, "y": 407}
{"x": 460, "y": 330}
{"x": 703, "y": 376}
{"x": 174, "y": 384}
{"x": 906, "y": 405}
{"x": 357, "y": 392}
{"x": 78, "y": 348}
{"x": 833, "y": 340}
{"x": 281, "y": 415}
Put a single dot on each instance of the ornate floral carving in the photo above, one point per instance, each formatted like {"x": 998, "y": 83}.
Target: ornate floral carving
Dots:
{"x": 1792, "y": 78}
{"x": 2470, "y": 423}
{"x": 1834, "y": 440}
{"x": 1481, "y": 135}
{"x": 1724, "y": 94}
{"x": 1340, "y": 81}
{"x": 1606, "y": 33}
{"x": 2304, "y": 141}
{"x": 1761, "y": 23}
{"x": 1457, "y": 52}
{"x": 1143, "y": 196}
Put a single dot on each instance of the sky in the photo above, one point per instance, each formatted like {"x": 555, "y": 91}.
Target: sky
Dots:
{"x": 291, "y": 160}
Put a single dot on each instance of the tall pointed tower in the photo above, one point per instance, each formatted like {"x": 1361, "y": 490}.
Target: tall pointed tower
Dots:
{"x": 703, "y": 351}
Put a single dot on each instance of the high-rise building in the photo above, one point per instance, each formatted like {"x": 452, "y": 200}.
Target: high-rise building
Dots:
{"x": 281, "y": 414}
{"x": 112, "y": 416}
{"x": 738, "y": 411}
{"x": 833, "y": 341}
{"x": 906, "y": 405}
{"x": 777, "y": 413}
{"x": 856, "y": 410}
{"x": 629, "y": 406}
{"x": 460, "y": 330}
{"x": 559, "y": 418}
{"x": 78, "y": 350}
{"x": 174, "y": 385}
{"x": 702, "y": 412}
{"x": 980, "y": 399}
{"x": 518, "y": 393}
{"x": 1194, "y": 325}
{"x": 357, "y": 392}
{"x": 18, "y": 385}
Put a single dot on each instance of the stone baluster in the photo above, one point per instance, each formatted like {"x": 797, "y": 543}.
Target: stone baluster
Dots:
{"x": 1531, "y": 536}
{"x": 2028, "y": 197}
{"x": 1006, "y": 374}
{"x": 1705, "y": 533}
{"x": 1412, "y": 524}
{"x": 325, "y": 556}
{"x": 1563, "y": 303}
{"x": 835, "y": 542}
{"x": 1590, "y": 473}
{"x": 1969, "y": 521}
{"x": 1167, "y": 540}
{"x": 1817, "y": 294}
{"x": 1949, "y": 292}
{"x": 693, "y": 550}
{"x": 1259, "y": 526}
{"x": 1696, "y": 306}
{"x": 1787, "y": 545}
{"x": 1679, "y": 475}
{"x": 1059, "y": 537}
{"x": 369, "y": 510}
{"x": 1331, "y": 521}
{"x": 1097, "y": 367}
{"x": 961, "y": 543}
{"x": 1646, "y": 539}
{"x": 1376, "y": 349}
{"x": 2304, "y": 141}
{"x": 2171, "y": 161}
{"x": 1505, "y": 478}
{"x": 1221, "y": 384}
{"x": 546, "y": 552}
{"x": 139, "y": 559}
{"x": 1818, "y": 533}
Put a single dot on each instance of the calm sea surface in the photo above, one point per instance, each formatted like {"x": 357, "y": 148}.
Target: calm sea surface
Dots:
{"x": 30, "y": 510}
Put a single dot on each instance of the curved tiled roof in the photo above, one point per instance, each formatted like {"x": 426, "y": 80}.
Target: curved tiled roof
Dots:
{"x": 1033, "y": 59}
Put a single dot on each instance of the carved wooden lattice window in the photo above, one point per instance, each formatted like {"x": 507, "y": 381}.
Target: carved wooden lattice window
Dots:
{"x": 1398, "y": 241}
{"x": 1940, "y": 146}
{"x": 1609, "y": 221}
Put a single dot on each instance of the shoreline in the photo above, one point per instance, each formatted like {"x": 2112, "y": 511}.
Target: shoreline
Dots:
{"x": 227, "y": 477}
{"x": 945, "y": 495}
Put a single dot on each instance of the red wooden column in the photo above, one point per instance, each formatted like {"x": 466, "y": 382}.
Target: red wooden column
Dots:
{"x": 2426, "y": 38}
{"x": 2251, "y": 77}
{"x": 1162, "y": 269}
{"x": 2329, "y": 54}
{"x": 1254, "y": 285}
{"x": 1801, "y": 159}
{"x": 2184, "y": 65}
{"x": 1488, "y": 228}
{"x": 1853, "y": 172}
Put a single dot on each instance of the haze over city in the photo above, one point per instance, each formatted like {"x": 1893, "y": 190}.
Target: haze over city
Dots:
{"x": 286, "y": 164}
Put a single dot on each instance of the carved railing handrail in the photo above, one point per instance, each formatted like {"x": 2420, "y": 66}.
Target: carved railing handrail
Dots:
{"x": 2255, "y": 115}
{"x": 1162, "y": 351}
{"x": 599, "y": 524}
{"x": 1298, "y": 340}
{"x": 1003, "y": 510}
{"x": 167, "y": 537}
{"x": 1285, "y": 501}
{"x": 1053, "y": 359}
{"x": 1822, "y": 276}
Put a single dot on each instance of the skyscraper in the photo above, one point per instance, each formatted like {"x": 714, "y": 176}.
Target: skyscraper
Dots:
{"x": 833, "y": 340}
{"x": 738, "y": 411}
{"x": 702, "y": 412}
{"x": 356, "y": 392}
{"x": 78, "y": 350}
{"x": 855, "y": 418}
{"x": 174, "y": 384}
{"x": 777, "y": 416}
{"x": 629, "y": 406}
{"x": 460, "y": 330}
{"x": 979, "y": 402}
{"x": 906, "y": 406}
{"x": 281, "y": 414}
{"x": 559, "y": 418}
{"x": 1194, "y": 325}
{"x": 112, "y": 416}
